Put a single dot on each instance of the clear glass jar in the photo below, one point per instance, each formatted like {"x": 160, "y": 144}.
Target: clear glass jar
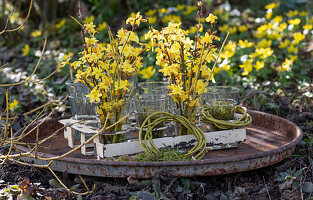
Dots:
{"x": 148, "y": 104}
{"x": 220, "y": 101}
{"x": 81, "y": 107}
{"x": 220, "y": 94}
{"x": 157, "y": 87}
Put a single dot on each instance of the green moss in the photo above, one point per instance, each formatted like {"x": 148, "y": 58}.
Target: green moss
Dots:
{"x": 221, "y": 110}
{"x": 163, "y": 155}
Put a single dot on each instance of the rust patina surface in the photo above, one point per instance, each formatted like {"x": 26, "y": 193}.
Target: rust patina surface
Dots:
{"x": 270, "y": 139}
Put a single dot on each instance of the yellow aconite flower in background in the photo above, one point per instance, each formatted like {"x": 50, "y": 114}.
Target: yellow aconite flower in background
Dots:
{"x": 307, "y": 26}
{"x": 36, "y": 33}
{"x": 102, "y": 26}
{"x": 211, "y": 18}
{"x": 264, "y": 43}
{"x": 293, "y": 57}
{"x": 247, "y": 66}
{"x": 274, "y": 35}
{"x": 60, "y": 24}
{"x": 245, "y": 44}
{"x": 233, "y": 30}
{"x": 259, "y": 65}
{"x": 298, "y": 37}
{"x": 189, "y": 10}
{"x": 150, "y": 12}
{"x": 170, "y": 18}
{"x": 268, "y": 15}
{"x": 282, "y": 27}
{"x": 152, "y": 20}
{"x": 294, "y": 21}
{"x": 286, "y": 64}
{"x": 162, "y": 10}
{"x": 223, "y": 28}
{"x": 278, "y": 19}
{"x": 147, "y": 72}
{"x": 303, "y": 13}
{"x": 284, "y": 44}
{"x": 272, "y": 5}
{"x": 263, "y": 52}
{"x": 180, "y": 7}
{"x": 242, "y": 28}
{"x": 25, "y": 50}
{"x": 13, "y": 104}
{"x": 292, "y": 13}
{"x": 89, "y": 19}
{"x": 292, "y": 49}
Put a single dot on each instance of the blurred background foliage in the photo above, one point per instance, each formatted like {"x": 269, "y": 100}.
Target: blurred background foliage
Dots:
{"x": 254, "y": 58}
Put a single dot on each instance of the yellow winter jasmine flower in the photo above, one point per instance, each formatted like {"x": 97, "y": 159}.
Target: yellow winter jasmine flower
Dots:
{"x": 307, "y": 26}
{"x": 223, "y": 28}
{"x": 13, "y": 104}
{"x": 94, "y": 95}
{"x": 272, "y": 5}
{"x": 60, "y": 24}
{"x": 245, "y": 44}
{"x": 292, "y": 49}
{"x": 298, "y": 37}
{"x": 127, "y": 67}
{"x": 102, "y": 26}
{"x": 264, "y": 43}
{"x": 36, "y": 33}
{"x": 90, "y": 27}
{"x": 122, "y": 85}
{"x": 136, "y": 20}
{"x": 259, "y": 65}
{"x": 278, "y": 19}
{"x": 25, "y": 50}
{"x": 294, "y": 21}
{"x": 91, "y": 41}
{"x": 211, "y": 18}
{"x": 303, "y": 13}
{"x": 147, "y": 72}
{"x": 201, "y": 87}
{"x": 292, "y": 13}
{"x": 242, "y": 28}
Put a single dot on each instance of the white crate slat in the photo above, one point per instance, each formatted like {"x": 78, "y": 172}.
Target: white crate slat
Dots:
{"x": 125, "y": 148}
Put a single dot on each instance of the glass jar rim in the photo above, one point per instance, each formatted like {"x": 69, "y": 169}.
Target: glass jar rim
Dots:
{"x": 218, "y": 89}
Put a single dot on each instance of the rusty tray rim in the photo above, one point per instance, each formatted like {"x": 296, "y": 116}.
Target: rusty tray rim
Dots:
{"x": 291, "y": 144}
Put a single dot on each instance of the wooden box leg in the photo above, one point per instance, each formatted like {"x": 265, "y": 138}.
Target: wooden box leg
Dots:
{"x": 83, "y": 140}
{"x": 68, "y": 134}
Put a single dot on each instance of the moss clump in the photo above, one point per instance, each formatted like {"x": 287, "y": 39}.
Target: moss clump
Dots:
{"x": 163, "y": 155}
{"x": 222, "y": 110}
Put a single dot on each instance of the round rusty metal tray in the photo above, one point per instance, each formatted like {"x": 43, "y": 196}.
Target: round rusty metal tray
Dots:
{"x": 270, "y": 139}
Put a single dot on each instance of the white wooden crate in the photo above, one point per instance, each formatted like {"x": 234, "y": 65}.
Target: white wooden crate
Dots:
{"x": 110, "y": 150}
